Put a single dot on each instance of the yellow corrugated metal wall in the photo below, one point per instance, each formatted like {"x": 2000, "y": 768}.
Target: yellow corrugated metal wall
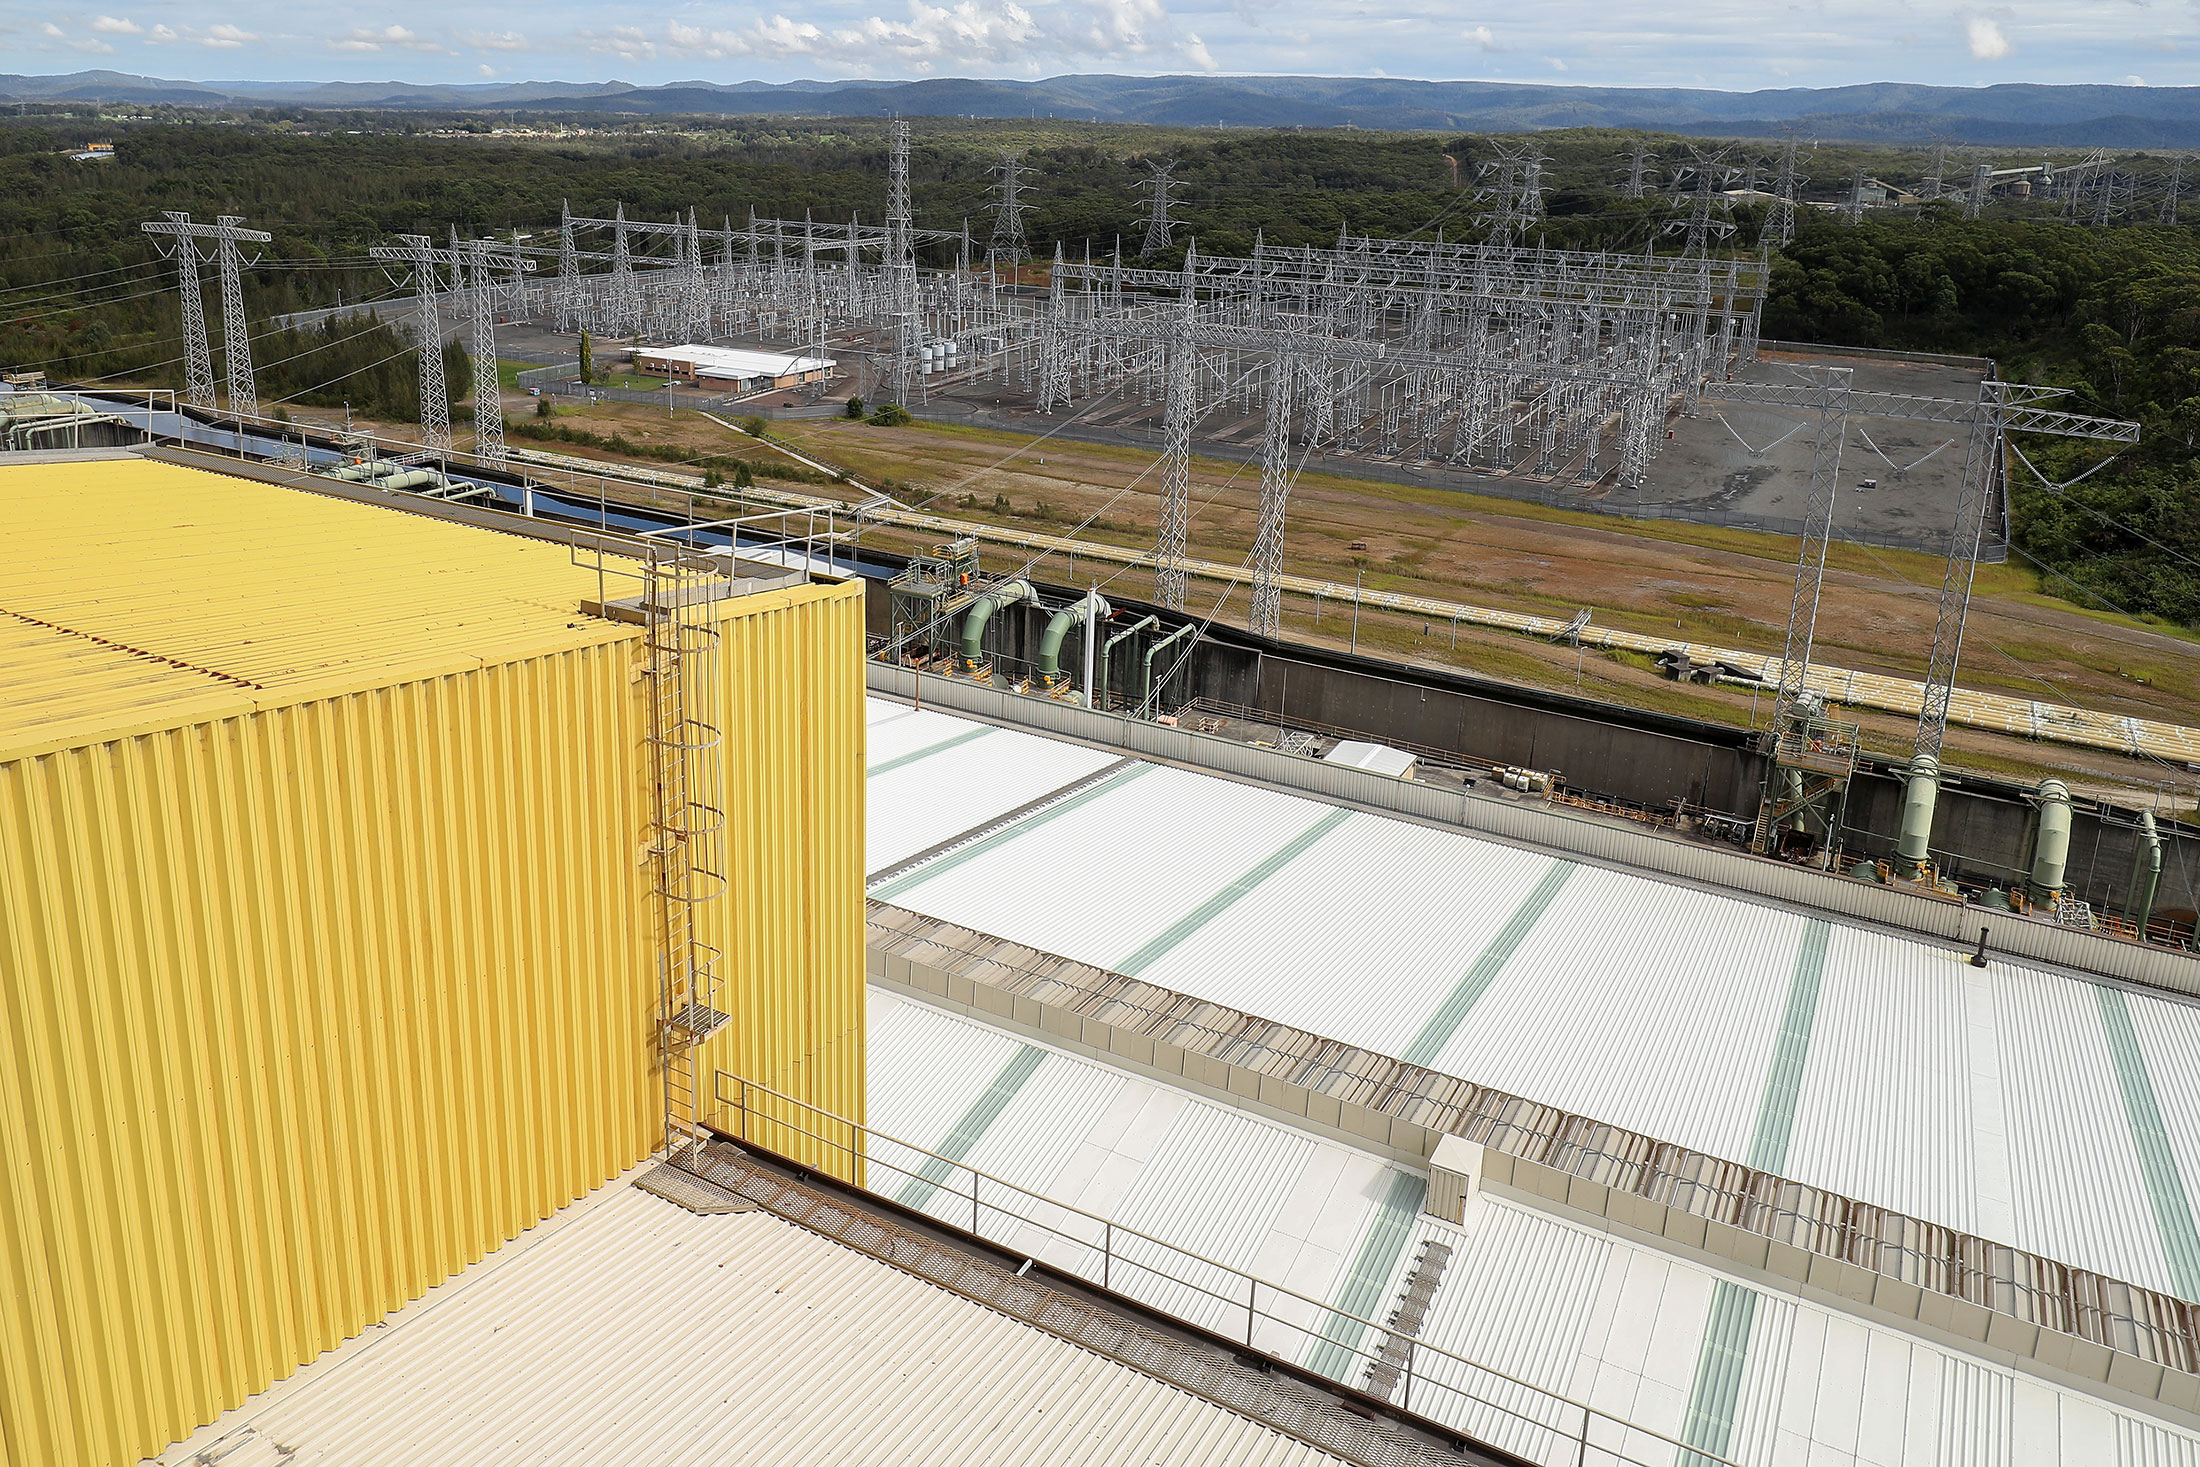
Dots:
{"x": 791, "y": 924}
{"x": 305, "y": 1011}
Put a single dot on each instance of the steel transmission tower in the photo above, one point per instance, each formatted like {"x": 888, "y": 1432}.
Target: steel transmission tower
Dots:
{"x": 1982, "y": 178}
{"x": 226, "y": 233}
{"x": 569, "y": 272}
{"x": 901, "y": 263}
{"x": 1009, "y": 209}
{"x": 1515, "y": 195}
{"x": 481, "y": 260}
{"x": 2002, "y": 406}
{"x": 198, "y": 357}
{"x": 1935, "y": 177}
{"x": 625, "y": 306}
{"x": 1159, "y": 190}
{"x": 1275, "y": 489}
{"x": 1830, "y": 396}
{"x": 421, "y": 259}
{"x": 1853, "y": 211}
{"x": 1639, "y": 168}
{"x": 2168, "y": 212}
{"x": 1787, "y": 188}
{"x": 1179, "y": 406}
{"x": 1701, "y": 187}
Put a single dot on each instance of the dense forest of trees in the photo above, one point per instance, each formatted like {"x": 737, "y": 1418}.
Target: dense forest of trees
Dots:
{"x": 2112, "y": 314}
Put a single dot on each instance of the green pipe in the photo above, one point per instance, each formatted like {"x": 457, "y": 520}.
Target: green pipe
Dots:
{"x": 1914, "y": 846}
{"x": 981, "y": 611}
{"x": 1107, "y": 651}
{"x": 1145, "y": 696}
{"x": 2051, "y": 851}
{"x": 1050, "y": 645}
{"x": 2150, "y": 878}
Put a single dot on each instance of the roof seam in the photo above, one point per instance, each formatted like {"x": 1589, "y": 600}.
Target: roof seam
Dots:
{"x": 124, "y": 647}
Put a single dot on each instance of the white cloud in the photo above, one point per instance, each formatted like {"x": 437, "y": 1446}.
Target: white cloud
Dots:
{"x": 2135, "y": 81}
{"x": 391, "y": 37}
{"x": 965, "y": 36}
{"x": 485, "y": 70}
{"x": 75, "y": 42}
{"x": 112, "y": 25}
{"x": 222, "y": 37}
{"x": 1987, "y": 41}
{"x": 1481, "y": 37}
{"x": 1557, "y": 63}
{"x": 496, "y": 40}
{"x": 628, "y": 43}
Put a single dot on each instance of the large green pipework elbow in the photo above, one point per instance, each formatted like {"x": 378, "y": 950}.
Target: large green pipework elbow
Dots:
{"x": 981, "y": 612}
{"x": 1050, "y": 645}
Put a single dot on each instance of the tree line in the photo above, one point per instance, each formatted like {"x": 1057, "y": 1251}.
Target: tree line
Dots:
{"x": 2113, "y": 315}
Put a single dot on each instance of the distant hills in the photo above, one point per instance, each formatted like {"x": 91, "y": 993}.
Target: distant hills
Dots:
{"x": 2015, "y": 114}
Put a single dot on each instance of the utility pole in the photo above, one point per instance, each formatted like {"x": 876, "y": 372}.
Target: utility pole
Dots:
{"x": 226, "y": 233}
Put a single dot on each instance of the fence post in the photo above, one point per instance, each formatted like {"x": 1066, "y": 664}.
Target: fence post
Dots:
{"x": 1410, "y": 1345}
{"x": 1251, "y": 1294}
{"x": 1107, "y": 1252}
{"x": 974, "y": 1203}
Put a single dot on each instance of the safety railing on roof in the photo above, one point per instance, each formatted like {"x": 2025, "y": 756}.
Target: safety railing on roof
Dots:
{"x": 2139, "y": 1321}
{"x": 1447, "y": 1390}
{"x": 811, "y": 536}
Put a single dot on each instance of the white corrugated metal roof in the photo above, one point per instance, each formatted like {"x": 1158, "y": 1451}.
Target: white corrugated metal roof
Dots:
{"x": 733, "y": 361}
{"x": 1596, "y": 1317}
{"x": 637, "y": 1332}
{"x": 1992, "y": 1102}
{"x": 1279, "y": 1204}
{"x": 935, "y": 776}
{"x": 1581, "y": 1312}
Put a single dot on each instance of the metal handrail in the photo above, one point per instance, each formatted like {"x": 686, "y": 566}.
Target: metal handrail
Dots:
{"x": 811, "y": 530}
{"x": 1419, "y": 1355}
{"x": 2061, "y": 1296}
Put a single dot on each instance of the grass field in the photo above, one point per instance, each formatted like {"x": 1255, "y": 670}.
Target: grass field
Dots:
{"x": 1696, "y": 582}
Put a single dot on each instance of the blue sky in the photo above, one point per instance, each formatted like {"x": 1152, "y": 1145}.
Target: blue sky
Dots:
{"x": 1712, "y": 43}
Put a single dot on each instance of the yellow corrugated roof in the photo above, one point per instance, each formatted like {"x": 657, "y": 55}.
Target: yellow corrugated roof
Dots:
{"x": 137, "y": 595}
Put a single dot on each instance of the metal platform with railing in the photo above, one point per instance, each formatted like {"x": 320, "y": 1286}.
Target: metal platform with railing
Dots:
{"x": 1380, "y": 1365}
